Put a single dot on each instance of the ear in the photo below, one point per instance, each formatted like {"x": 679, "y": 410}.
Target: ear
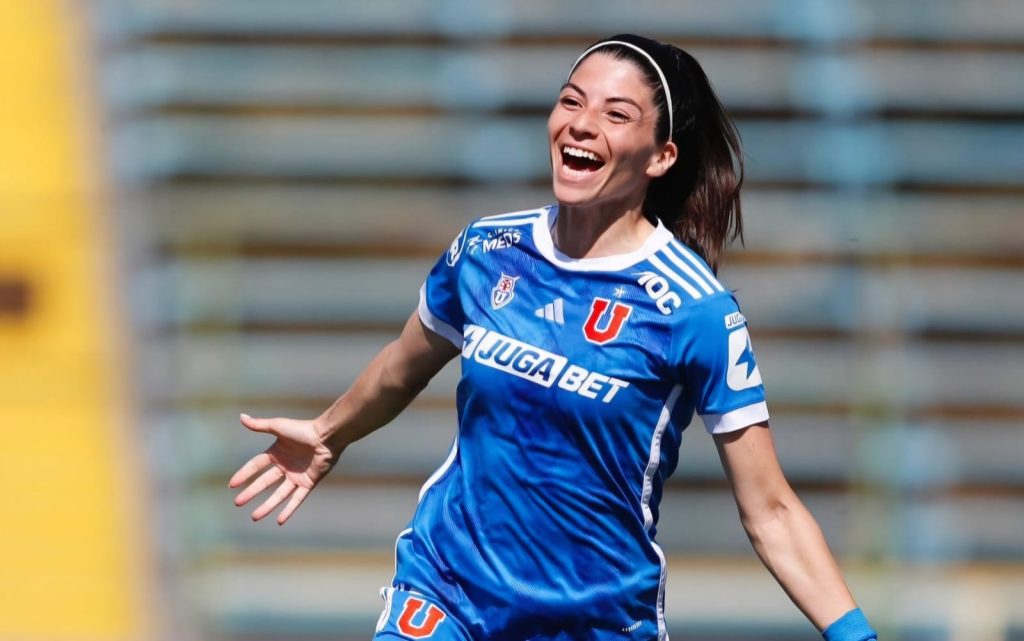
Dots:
{"x": 663, "y": 160}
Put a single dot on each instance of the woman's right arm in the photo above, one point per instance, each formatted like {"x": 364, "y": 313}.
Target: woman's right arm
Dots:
{"x": 305, "y": 451}
{"x": 386, "y": 387}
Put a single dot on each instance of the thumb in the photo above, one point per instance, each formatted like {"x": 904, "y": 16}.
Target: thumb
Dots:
{"x": 258, "y": 424}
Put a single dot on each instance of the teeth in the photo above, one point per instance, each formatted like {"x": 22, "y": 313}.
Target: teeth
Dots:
{"x": 576, "y": 173}
{"x": 580, "y": 153}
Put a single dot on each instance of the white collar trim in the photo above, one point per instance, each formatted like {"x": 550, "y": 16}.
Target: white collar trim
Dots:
{"x": 545, "y": 245}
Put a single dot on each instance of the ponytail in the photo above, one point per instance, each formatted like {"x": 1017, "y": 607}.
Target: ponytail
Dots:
{"x": 699, "y": 197}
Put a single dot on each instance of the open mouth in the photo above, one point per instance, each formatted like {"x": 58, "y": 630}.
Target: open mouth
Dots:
{"x": 580, "y": 160}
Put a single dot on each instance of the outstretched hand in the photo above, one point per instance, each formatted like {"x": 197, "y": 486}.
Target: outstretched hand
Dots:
{"x": 298, "y": 460}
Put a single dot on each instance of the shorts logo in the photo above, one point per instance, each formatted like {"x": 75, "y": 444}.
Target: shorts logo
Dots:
{"x": 425, "y": 625}
{"x": 620, "y": 312}
{"x": 504, "y": 291}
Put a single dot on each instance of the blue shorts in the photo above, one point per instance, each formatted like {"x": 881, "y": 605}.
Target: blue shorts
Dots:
{"x": 412, "y": 615}
{"x": 426, "y": 603}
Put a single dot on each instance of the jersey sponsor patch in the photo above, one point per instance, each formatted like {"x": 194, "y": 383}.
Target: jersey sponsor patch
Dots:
{"x": 504, "y": 291}
{"x": 658, "y": 288}
{"x": 734, "y": 320}
{"x": 539, "y": 366}
{"x": 494, "y": 239}
{"x": 743, "y": 371}
{"x": 455, "y": 249}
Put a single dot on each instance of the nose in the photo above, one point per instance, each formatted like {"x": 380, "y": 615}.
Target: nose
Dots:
{"x": 583, "y": 124}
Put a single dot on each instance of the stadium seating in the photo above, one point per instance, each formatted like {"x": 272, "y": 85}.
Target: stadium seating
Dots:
{"x": 270, "y": 157}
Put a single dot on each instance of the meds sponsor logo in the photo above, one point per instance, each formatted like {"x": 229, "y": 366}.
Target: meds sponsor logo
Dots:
{"x": 539, "y": 366}
{"x": 495, "y": 239}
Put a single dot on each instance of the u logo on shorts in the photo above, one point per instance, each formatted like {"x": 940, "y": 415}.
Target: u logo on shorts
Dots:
{"x": 426, "y": 625}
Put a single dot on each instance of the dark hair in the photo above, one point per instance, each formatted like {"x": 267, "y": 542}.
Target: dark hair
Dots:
{"x": 699, "y": 197}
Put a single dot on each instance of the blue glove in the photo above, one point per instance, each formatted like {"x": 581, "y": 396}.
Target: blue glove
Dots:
{"x": 852, "y": 626}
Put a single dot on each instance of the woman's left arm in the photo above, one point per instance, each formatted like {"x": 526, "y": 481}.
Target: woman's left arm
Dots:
{"x": 782, "y": 531}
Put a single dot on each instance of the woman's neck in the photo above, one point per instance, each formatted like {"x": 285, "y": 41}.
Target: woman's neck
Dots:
{"x": 594, "y": 232}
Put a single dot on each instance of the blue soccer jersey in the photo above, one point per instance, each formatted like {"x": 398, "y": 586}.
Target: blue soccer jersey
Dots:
{"x": 578, "y": 378}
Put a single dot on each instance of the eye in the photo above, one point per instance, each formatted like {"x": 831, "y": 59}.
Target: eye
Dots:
{"x": 619, "y": 116}
{"x": 569, "y": 101}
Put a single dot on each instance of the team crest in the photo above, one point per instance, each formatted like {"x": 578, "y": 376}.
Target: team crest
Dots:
{"x": 504, "y": 291}
{"x": 600, "y": 327}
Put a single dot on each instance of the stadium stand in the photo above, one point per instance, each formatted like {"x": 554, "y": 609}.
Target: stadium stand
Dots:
{"x": 286, "y": 173}
{"x": 72, "y": 552}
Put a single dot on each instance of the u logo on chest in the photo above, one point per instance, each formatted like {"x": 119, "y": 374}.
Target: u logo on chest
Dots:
{"x": 602, "y": 327}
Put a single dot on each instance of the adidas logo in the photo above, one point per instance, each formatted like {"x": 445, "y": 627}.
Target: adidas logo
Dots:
{"x": 552, "y": 312}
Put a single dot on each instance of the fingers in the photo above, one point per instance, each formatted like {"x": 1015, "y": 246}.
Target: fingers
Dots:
{"x": 257, "y": 424}
{"x": 298, "y": 497}
{"x": 268, "y": 478}
{"x": 265, "y": 480}
{"x": 292, "y": 434}
{"x": 280, "y": 494}
{"x": 254, "y": 465}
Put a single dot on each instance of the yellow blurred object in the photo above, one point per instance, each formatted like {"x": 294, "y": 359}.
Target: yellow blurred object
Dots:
{"x": 69, "y": 540}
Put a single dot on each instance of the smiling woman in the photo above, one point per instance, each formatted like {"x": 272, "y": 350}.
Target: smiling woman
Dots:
{"x": 645, "y": 103}
{"x": 603, "y": 140}
{"x": 590, "y": 333}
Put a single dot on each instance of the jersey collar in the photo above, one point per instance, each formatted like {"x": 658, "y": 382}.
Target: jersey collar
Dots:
{"x": 545, "y": 245}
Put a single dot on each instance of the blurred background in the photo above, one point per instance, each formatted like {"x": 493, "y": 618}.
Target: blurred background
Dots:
{"x": 215, "y": 206}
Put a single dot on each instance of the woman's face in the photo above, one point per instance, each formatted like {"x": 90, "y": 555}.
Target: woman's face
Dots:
{"x": 601, "y": 134}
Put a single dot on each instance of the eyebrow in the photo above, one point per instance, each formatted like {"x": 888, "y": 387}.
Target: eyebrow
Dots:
{"x": 580, "y": 91}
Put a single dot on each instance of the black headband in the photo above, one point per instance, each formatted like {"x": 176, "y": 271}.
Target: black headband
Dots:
{"x": 664, "y": 59}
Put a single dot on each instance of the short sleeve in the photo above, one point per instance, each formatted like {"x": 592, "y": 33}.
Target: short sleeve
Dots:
{"x": 719, "y": 368}
{"x": 440, "y": 306}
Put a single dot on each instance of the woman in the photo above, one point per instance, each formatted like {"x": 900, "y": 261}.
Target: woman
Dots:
{"x": 590, "y": 332}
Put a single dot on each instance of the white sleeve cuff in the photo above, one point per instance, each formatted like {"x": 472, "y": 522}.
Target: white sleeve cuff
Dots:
{"x": 736, "y": 419}
{"x": 434, "y": 323}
